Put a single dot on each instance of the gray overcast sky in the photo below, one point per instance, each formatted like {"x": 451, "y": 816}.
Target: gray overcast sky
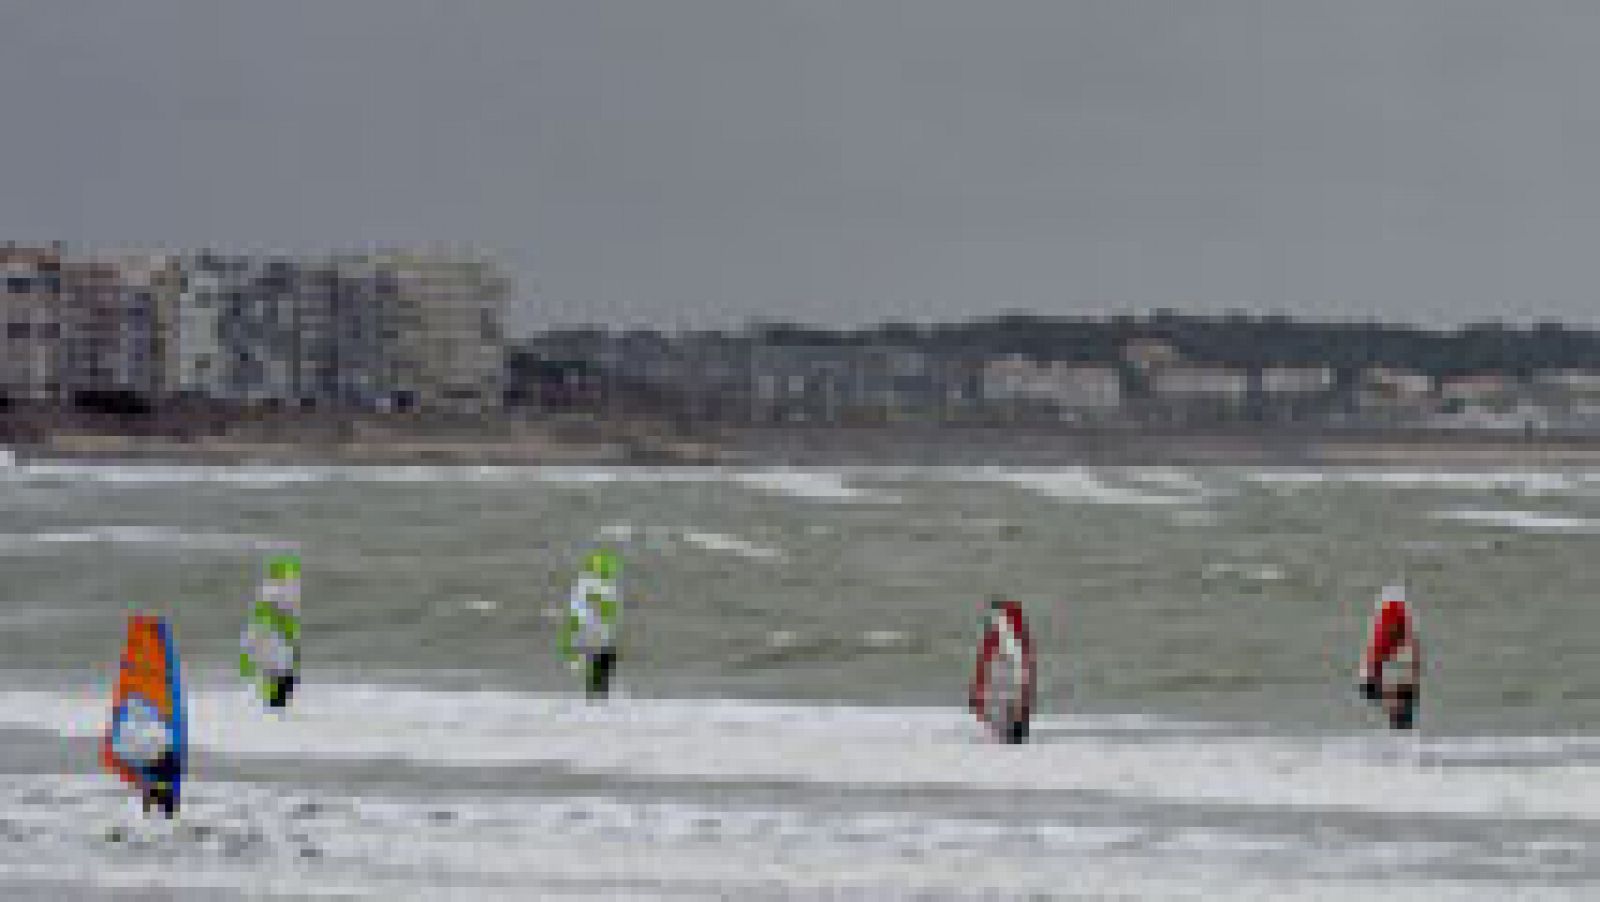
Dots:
{"x": 709, "y": 161}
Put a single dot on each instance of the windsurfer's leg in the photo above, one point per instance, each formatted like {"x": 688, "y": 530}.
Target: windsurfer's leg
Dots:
{"x": 282, "y": 686}
{"x": 1403, "y": 707}
{"x": 1016, "y": 729}
{"x": 600, "y": 667}
{"x": 165, "y": 776}
{"x": 162, "y": 796}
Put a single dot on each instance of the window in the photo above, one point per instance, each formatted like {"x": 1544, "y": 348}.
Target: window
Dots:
{"x": 16, "y": 330}
{"x": 19, "y": 284}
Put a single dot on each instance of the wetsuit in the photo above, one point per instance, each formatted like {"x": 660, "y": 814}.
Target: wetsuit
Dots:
{"x": 161, "y": 791}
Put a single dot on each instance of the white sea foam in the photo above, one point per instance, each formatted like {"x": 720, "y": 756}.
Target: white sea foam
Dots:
{"x": 1526, "y": 481}
{"x": 617, "y": 532}
{"x": 284, "y": 839}
{"x": 1103, "y": 832}
{"x": 1166, "y": 477}
{"x": 821, "y": 485}
{"x": 719, "y": 542}
{"x": 884, "y": 639}
{"x": 1083, "y": 485}
{"x": 841, "y": 745}
{"x": 1248, "y": 572}
{"x": 150, "y": 474}
{"x": 145, "y": 536}
{"x": 1523, "y": 521}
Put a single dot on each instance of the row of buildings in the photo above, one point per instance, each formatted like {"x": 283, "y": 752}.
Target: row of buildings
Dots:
{"x": 385, "y": 331}
{"x": 423, "y": 331}
{"x": 744, "y": 378}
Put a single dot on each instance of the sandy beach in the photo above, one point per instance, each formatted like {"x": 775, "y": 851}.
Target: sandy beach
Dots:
{"x": 646, "y": 443}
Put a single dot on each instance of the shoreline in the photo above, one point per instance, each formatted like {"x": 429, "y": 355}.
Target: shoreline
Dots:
{"x": 631, "y": 445}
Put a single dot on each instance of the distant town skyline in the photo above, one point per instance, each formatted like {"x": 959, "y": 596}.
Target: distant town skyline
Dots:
{"x": 713, "y": 162}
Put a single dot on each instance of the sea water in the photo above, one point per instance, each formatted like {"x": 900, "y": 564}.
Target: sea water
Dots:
{"x": 795, "y": 654}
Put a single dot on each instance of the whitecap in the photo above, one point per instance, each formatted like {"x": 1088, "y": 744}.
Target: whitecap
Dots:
{"x": 1080, "y": 484}
{"x": 714, "y": 541}
{"x": 146, "y": 536}
{"x": 1524, "y": 521}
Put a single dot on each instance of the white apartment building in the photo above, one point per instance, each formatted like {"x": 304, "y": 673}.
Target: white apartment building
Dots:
{"x": 1065, "y": 385}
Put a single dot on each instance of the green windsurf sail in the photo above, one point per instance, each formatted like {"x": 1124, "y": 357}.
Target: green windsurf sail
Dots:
{"x": 269, "y": 652}
{"x": 588, "y": 635}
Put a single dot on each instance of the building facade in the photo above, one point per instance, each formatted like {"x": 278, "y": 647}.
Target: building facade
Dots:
{"x": 33, "y": 318}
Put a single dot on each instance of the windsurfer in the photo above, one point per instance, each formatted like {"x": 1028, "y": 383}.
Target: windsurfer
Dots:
{"x": 1391, "y": 668}
{"x": 144, "y": 742}
{"x": 588, "y": 637}
{"x": 271, "y": 646}
{"x": 1002, "y": 692}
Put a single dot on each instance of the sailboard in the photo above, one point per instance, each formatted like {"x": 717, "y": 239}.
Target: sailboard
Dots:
{"x": 146, "y": 741}
{"x": 588, "y": 637}
{"x": 269, "y": 650}
{"x": 1391, "y": 667}
{"x": 1003, "y": 692}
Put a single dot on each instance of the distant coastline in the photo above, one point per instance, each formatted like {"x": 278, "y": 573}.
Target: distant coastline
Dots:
{"x": 646, "y": 444}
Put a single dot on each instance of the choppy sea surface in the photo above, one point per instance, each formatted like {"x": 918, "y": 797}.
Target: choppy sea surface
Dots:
{"x": 796, "y": 650}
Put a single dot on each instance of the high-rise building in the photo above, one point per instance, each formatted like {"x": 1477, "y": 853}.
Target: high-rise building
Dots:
{"x": 152, "y": 286}
{"x": 441, "y": 330}
{"x": 102, "y": 339}
{"x": 31, "y": 322}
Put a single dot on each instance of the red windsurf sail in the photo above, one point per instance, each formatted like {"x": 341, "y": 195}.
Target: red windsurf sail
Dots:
{"x": 1392, "y": 638}
{"x": 1002, "y": 693}
{"x": 1391, "y": 662}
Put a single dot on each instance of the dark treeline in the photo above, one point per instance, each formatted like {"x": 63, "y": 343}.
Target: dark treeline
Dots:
{"x": 1235, "y": 339}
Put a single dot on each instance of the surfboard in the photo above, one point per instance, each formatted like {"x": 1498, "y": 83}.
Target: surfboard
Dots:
{"x": 146, "y": 741}
{"x": 1002, "y": 693}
